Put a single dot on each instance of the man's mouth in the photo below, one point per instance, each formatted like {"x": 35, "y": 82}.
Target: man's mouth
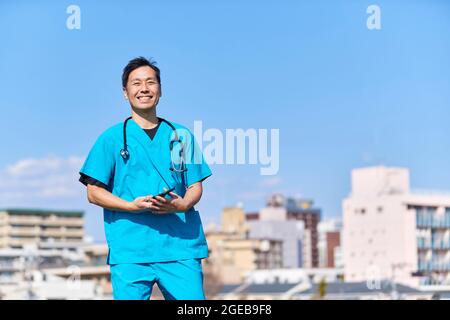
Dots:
{"x": 144, "y": 98}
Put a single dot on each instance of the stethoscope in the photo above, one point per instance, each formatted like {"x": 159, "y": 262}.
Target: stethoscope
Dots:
{"x": 182, "y": 168}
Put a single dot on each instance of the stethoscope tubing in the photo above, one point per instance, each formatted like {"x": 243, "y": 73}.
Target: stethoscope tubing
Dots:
{"x": 125, "y": 154}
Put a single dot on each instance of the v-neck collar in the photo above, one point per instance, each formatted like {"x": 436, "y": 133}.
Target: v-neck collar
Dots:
{"x": 140, "y": 129}
{"x": 151, "y": 133}
{"x": 150, "y": 148}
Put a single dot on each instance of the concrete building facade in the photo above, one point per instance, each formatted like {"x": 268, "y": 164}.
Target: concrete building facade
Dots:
{"x": 281, "y": 208}
{"x": 393, "y": 233}
{"x": 329, "y": 244}
{"x": 233, "y": 254}
{"x": 20, "y": 227}
{"x": 291, "y": 233}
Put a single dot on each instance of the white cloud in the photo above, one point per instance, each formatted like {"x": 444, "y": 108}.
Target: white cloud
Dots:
{"x": 252, "y": 195}
{"x": 30, "y": 180}
{"x": 270, "y": 182}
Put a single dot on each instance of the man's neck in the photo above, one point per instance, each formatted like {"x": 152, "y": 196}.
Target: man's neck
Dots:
{"x": 145, "y": 119}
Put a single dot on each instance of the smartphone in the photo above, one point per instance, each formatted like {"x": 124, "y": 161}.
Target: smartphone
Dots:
{"x": 163, "y": 194}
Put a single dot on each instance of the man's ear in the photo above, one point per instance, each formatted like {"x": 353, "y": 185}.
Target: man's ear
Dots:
{"x": 125, "y": 94}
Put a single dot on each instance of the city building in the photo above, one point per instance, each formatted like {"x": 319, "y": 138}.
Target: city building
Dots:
{"x": 316, "y": 283}
{"x": 232, "y": 254}
{"x": 19, "y": 227}
{"x": 281, "y": 208}
{"x": 90, "y": 266}
{"x": 24, "y": 274}
{"x": 329, "y": 245}
{"x": 291, "y": 233}
{"x": 393, "y": 233}
{"x": 233, "y": 221}
{"x": 50, "y": 248}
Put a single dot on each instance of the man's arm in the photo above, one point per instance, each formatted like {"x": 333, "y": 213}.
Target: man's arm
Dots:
{"x": 193, "y": 195}
{"x": 105, "y": 199}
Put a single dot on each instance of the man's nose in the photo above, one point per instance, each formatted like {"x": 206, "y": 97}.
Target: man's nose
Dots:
{"x": 144, "y": 88}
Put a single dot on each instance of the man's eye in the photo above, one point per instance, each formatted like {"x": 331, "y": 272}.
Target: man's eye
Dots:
{"x": 135, "y": 84}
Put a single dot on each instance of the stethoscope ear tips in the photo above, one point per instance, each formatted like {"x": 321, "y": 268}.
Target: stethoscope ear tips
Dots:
{"x": 124, "y": 153}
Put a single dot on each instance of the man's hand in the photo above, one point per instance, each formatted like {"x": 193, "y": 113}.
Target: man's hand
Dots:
{"x": 175, "y": 204}
{"x": 142, "y": 204}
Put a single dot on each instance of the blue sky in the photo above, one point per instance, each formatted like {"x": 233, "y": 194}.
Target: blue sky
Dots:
{"x": 342, "y": 96}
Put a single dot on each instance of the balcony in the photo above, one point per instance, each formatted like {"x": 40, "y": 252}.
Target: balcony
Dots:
{"x": 62, "y": 233}
{"x": 74, "y": 222}
{"x": 434, "y": 266}
{"x": 429, "y": 220}
{"x": 11, "y": 266}
{"x": 434, "y": 245}
{"x": 21, "y": 242}
{"x": 25, "y": 220}
{"x": 441, "y": 245}
{"x": 24, "y": 232}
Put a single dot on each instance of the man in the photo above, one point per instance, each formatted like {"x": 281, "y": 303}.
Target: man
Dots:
{"x": 151, "y": 239}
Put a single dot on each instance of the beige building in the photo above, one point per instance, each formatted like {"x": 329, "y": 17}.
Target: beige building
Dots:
{"x": 233, "y": 221}
{"x": 19, "y": 227}
{"x": 233, "y": 255}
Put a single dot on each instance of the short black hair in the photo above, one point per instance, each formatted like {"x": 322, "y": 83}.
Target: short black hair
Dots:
{"x": 137, "y": 63}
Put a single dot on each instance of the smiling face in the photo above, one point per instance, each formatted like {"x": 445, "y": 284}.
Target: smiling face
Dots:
{"x": 143, "y": 89}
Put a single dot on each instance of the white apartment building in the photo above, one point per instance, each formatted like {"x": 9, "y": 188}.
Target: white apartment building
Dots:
{"x": 51, "y": 271}
{"x": 392, "y": 233}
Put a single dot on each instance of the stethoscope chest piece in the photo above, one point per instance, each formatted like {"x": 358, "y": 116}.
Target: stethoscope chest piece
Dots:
{"x": 125, "y": 154}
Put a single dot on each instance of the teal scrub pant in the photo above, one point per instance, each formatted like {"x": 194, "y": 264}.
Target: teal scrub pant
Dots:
{"x": 177, "y": 280}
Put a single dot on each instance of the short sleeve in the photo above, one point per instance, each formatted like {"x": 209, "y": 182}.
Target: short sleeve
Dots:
{"x": 84, "y": 179}
{"x": 100, "y": 162}
{"x": 197, "y": 168}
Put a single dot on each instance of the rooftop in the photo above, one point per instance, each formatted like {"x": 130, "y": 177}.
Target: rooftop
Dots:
{"x": 26, "y": 211}
{"x": 333, "y": 288}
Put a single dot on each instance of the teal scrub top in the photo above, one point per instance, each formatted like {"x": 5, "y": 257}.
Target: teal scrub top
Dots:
{"x": 148, "y": 237}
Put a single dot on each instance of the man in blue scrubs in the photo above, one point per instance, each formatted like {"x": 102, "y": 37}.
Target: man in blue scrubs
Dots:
{"x": 151, "y": 239}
